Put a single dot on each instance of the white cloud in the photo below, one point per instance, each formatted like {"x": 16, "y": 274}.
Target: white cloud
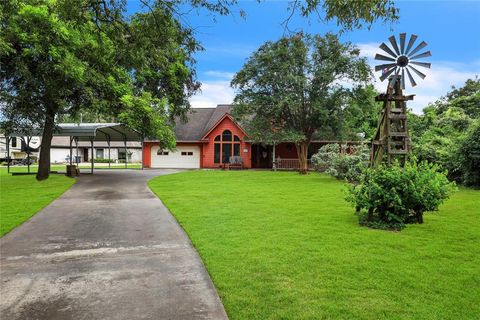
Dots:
{"x": 439, "y": 79}
{"x": 213, "y": 93}
{"x": 219, "y": 74}
{"x": 437, "y": 83}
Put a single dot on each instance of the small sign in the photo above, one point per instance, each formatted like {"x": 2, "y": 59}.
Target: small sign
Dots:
{"x": 245, "y": 150}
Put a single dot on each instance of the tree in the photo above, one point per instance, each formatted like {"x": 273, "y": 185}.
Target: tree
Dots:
{"x": 469, "y": 156}
{"x": 348, "y": 15}
{"x": 59, "y": 57}
{"x": 439, "y": 134}
{"x": 361, "y": 113}
{"x": 294, "y": 85}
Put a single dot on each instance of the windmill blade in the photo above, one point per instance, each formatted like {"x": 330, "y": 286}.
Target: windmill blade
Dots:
{"x": 385, "y": 48}
{"x": 402, "y": 42}
{"x": 413, "y": 37}
{"x": 422, "y": 45}
{"x": 383, "y": 66}
{"x": 421, "y": 75}
{"x": 382, "y": 57}
{"x": 412, "y": 82}
{"x": 386, "y": 74}
{"x": 393, "y": 41}
{"x": 402, "y": 80}
{"x": 422, "y": 64}
{"x": 422, "y": 55}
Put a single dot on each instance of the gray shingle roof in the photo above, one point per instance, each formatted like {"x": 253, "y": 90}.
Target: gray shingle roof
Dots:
{"x": 200, "y": 120}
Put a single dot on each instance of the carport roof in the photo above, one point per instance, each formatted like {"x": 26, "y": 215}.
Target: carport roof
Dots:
{"x": 95, "y": 132}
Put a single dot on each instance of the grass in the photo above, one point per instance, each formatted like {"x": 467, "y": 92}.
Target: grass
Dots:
{"x": 285, "y": 246}
{"x": 61, "y": 167}
{"x": 23, "y": 196}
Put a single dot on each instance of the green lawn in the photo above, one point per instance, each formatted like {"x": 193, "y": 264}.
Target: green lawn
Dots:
{"x": 61, "y": 167}
{"x": 23, "y": 196}
{"x": 285, "y": 246}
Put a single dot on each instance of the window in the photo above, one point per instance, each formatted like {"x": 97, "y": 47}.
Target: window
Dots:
{"x": 161, "y": 152}
{"x": 225, "y": 147}
{"x": 14, "y": 142}
{"x": 121, "y": 155}
{"x": 227, "y": 135}
{"x": 216, "y": 153}
{"x": 187, "y": 153}
{"x": 99, "y": 153}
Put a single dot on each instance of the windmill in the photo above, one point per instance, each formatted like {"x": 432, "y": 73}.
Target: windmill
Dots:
{"x": 391, "y": 140}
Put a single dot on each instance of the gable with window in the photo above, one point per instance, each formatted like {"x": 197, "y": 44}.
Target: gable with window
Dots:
{"x": 225, "y": 146}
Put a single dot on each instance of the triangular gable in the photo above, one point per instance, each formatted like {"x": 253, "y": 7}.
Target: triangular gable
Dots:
{"x": 226, "y": 115}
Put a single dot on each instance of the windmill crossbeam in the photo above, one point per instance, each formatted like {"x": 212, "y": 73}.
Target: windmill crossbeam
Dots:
{"x": 385, "y": 97}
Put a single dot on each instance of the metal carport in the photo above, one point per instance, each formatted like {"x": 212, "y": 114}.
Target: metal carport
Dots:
{"x": 86, "y": 132}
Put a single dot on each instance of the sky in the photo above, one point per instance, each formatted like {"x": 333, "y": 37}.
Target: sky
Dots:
{"x": 451, "y": 29}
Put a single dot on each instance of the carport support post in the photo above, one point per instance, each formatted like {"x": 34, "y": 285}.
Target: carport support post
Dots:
{"x": 108, "y": 142}
{"x": 71, "y": 152}
{"x": 28, "y": 153}
{"x": 76, "y": 156}
{"x": 143, "y": 147}
{"x": 91, "y": 142}
{"x": 8, "y": 153}
{"x": 126, "y": 154}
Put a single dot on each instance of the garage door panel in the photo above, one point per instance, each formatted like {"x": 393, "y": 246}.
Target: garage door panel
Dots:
{"x": 182, "y": 157}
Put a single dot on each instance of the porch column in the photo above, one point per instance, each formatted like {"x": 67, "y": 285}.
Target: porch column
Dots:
{"x": 91, "y": 142}
{"x": 274, "y": 161}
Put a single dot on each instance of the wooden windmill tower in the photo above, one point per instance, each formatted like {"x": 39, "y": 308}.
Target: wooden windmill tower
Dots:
{"x": 392, "y": 140}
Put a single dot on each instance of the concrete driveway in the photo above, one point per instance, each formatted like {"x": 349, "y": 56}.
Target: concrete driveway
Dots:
{"x": 106, "y": 249}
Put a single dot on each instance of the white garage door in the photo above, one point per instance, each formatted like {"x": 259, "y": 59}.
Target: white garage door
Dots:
{"x": 182, "y": 157}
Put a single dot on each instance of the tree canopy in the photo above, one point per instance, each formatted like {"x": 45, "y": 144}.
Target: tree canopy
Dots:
{"x": 445, "y": 133}
{"x": 59, "y": 57}
{"x": 296, "y": 86}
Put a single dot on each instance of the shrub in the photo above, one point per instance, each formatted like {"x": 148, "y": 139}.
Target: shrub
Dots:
{"x": 389, "y": 197}
{"x": 101, "y": 160}
{"x": 342, "y": 164}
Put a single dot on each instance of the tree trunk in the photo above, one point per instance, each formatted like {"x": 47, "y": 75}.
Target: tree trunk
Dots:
{"x": 44, "y": 161}
{"x": 302, "y": 150}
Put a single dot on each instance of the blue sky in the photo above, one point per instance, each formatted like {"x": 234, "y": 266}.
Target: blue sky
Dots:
{"x": 451, "y": 29}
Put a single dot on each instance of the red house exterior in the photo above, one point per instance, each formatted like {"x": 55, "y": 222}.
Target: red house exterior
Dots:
{"x": 210, "y": 137}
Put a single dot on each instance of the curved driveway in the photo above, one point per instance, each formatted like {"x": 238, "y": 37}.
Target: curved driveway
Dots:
{"x": 106, "y": 249}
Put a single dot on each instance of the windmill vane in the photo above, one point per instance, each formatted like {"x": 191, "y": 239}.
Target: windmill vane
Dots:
{"x": 402, "y": 59}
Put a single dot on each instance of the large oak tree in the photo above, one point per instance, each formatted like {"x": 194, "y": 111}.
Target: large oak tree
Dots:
{"x": 298, "y": 85}
{"x": 59, "y": 57}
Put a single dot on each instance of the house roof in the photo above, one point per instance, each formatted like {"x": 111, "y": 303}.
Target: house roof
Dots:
{"x": 199, "y": 122}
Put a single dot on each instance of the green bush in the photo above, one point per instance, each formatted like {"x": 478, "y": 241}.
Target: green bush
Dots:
{"x": 389, "y": 197}
{"x": 101, "y": 160}
{"x": 340, "y": 163}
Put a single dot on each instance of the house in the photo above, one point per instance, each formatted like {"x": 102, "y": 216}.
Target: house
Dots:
{"x": 208, "y": 139}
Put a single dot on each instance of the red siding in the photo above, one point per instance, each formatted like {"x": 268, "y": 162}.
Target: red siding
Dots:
{"x": 226, "y": 124}
{"x": 286, "y": 151}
